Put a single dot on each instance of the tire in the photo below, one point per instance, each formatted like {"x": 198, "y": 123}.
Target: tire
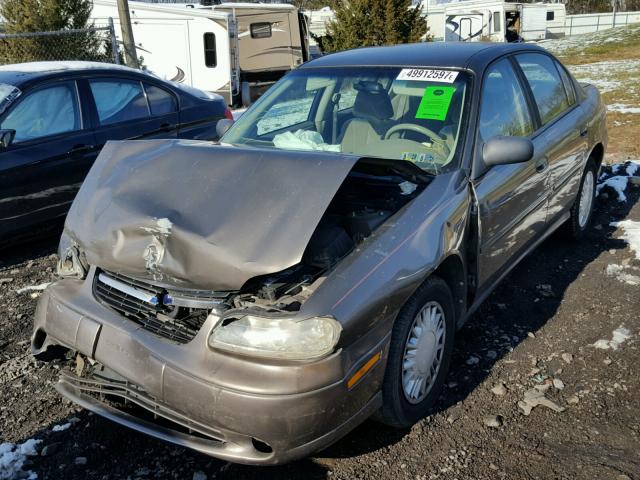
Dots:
{"x": 579, "y": 222}
{"x": 402, "y": 406}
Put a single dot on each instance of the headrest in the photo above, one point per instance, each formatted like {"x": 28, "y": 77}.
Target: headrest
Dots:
{"x": 372, "y": 101}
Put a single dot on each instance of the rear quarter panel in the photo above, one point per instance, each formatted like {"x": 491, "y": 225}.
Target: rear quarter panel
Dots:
{"x": 198, "y": 119}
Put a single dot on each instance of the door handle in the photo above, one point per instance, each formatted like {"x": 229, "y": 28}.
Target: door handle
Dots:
{"x": 542, "y": 164}
{"x": 166, "y": 127}
{"x": 583, "y": 133}
{"x": 81, "y": 148}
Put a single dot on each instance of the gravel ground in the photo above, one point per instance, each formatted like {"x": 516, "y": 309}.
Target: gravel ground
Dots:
{"x": 535, "y": 334}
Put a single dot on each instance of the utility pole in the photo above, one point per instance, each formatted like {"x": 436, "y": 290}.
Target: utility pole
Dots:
{"x": 130, "y": 56}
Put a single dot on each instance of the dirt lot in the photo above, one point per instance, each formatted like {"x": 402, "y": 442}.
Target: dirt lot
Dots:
{"x": 565, "y": 323}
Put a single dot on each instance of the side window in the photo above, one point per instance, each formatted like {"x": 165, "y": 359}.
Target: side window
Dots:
{"x": 551, "y": 15}
{"x": 503, "y": 109}
{"x": 160, "y": 101}
{"x": 260, "y": 30}
{"x": 291, "y": 111}
{"x": 47, "y": 111}
{"x": 546, "y": 85}
{"x": 118, "y": 100}
{"x": 347, "y": 94}
{"x": 497, "y": 24}
{"x": 568, "y": 84}
{"x": 210, "y": 56}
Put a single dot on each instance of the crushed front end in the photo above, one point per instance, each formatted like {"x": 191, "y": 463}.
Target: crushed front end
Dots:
{"x": 195, "y": 324}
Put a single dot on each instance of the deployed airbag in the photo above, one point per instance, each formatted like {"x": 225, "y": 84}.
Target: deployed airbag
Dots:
{"x": 197, "y": 215}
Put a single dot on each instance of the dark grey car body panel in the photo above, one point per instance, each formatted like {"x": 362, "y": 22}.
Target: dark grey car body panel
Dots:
{"x": 470, "y": 226}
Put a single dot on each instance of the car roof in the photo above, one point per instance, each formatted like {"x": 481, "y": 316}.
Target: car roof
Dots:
{"x": 474, "y": 55}
{"x": 20, "y": 73}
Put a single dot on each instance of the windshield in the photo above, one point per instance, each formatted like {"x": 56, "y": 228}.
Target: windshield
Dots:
{"x": 384, "y": 112}
{"x": 8, "y": 93}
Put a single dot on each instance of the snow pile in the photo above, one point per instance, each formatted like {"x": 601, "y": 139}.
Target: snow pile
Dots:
{"x": 630, "y": 234}
{"x": 623, "y": 108}
{"x": 34, "y": 288}
{"x": 620, "y": 335}
{"x": 61, "y": 428}
{"x": 577, "y": 43}
{"x": 618, "y": 271}
{"x": 13, "y": 457}
{"x": 237, "y": 113}
{"x": 616, "y": 177}
{"x": 608, "y": 76}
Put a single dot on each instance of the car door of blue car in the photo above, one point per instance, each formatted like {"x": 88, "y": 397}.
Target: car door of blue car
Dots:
{"x": 127, "y": 108}
{"x": 42, "y": 169}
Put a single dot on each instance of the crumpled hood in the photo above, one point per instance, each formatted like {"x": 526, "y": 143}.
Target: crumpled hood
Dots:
{"x": 196, "y": 215}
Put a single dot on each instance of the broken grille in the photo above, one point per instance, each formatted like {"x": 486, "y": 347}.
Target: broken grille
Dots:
{"x": 150, "y": 306}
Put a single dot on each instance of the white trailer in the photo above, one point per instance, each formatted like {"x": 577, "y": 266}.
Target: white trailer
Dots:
{"x": 195, "y": 47}
{"x": 234, "y": 49}
{"x": 500, "y": 21}
{"x": 476, "y": 20}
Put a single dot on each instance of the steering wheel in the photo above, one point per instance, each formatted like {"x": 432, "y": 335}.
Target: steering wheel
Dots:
{"x": 435, "y": 138}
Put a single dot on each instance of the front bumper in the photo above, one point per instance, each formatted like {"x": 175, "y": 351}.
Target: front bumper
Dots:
{"x": 224, "y": 406}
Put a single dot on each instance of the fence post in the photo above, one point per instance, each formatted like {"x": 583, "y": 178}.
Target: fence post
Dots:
{"x": 114, "y": 42}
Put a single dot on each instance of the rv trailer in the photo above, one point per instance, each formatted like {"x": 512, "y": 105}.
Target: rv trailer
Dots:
{"x": 434, "y": 11}
{"x": 233, "y": 49}
{"x": 273, "y": 40}
{"x": 501, "y": 21}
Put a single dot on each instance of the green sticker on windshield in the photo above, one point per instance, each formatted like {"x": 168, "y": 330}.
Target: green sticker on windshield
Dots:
{"x": 435, "y": 103}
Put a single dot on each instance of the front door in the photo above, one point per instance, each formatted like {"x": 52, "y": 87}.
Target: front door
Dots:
{"x": 511, "y": 198}
{"x": 41, "y": 171}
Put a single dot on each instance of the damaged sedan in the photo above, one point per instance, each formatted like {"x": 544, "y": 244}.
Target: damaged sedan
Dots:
{"x": 257, "y": 299}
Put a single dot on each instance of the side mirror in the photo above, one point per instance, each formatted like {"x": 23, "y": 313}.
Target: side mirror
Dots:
{"x": 222, "y": 126}
{"x": 507, "y": 150}
{"x": 6, "y": 137}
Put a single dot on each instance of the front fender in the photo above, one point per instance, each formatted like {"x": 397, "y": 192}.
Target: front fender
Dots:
{"x": 368, "y": 288}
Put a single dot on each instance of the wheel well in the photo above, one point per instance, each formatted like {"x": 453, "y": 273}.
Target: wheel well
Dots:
{"x": 597, "y": 155}
{"x": 451, "y": 270}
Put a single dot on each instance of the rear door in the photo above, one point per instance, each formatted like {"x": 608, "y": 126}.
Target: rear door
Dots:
{"x": 512, "y": 199}
{"x": 534, "y": 22}
{"x": 53, "y": 149}
{"x": 127, "y": 108}
{"x": 561, "y": 119}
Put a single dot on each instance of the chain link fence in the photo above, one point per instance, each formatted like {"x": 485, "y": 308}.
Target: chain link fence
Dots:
{"x": 97, "y": 44}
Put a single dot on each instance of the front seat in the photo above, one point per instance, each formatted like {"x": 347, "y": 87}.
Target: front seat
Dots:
{"x": 371, "y": 113}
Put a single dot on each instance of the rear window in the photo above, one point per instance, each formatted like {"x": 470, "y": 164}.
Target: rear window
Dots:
{"x": 545, "y": 82}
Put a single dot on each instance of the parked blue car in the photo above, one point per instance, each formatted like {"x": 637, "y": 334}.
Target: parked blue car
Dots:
{"x": 55, "y": 118}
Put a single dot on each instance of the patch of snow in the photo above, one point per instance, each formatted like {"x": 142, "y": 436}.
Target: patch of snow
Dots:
{"x": 618, "y": 271}
{"x": 61, "y": 428}
{"x": 238, "y": 113}
{"x": 577, "y": 43}
{"x": 620, "y": 335}
{"x": 37, "y": 67}
{"x": 630, "y": 234}
{"x": 13, "y": 457}
{"x": 632, "y": 167}
{"x": 34, "y": 288}
{"x": 623, "y": 108}
{"x": 617, "y": 183}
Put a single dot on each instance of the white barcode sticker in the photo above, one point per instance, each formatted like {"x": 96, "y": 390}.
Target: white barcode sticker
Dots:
{"x": 428, "y": 75}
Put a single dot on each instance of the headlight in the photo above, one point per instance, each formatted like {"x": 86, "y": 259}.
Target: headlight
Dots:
{"x": 278, "y": 337}
{"x": 70, "y": 258}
